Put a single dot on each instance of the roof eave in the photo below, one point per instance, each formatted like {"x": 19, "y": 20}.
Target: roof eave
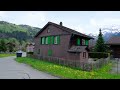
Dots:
{"x": 42, "y": 29}
{"x": 84, "y": 36}
{"x": 112, "y": 43}
{"x": 74, "y": 51}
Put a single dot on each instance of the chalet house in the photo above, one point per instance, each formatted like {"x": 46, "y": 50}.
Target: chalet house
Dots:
{"x": 56, "y": 40}
{"x": 114, "y": 43}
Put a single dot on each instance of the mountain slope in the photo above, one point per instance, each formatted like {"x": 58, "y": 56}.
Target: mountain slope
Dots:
{"x": 32, "y": 30}
{"x": 20, "y": 32}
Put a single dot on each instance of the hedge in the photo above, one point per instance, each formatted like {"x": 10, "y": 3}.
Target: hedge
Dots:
{"x": 98, "y": 55}
{"x": 30, "y": 53}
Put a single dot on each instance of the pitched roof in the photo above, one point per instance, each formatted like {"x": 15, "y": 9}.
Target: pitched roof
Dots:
{"x": 71, "y": 31}
{"x": 77, "y": 49}
{"x": 114, "y": 41}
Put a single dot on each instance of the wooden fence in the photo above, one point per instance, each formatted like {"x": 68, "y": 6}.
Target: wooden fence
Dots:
{"x": 86, "y": 66}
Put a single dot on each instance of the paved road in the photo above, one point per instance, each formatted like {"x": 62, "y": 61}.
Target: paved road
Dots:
{"x": 10, "y": 69}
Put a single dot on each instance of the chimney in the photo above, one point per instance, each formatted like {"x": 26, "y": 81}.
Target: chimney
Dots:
{"x": 60, "y": 23}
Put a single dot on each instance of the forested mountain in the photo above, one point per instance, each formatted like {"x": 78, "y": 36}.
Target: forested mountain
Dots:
{"x": 32, "y": 30}
{"x": 20, "y": 32}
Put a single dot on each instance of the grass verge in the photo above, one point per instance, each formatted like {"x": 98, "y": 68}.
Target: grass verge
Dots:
{"x": 67, "y": 72}
{"x": 6, "y": 55}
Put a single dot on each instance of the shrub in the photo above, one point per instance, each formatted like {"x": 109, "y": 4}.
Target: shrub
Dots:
{"x": 98, "y": 55}
{"x": 30, "y": 53}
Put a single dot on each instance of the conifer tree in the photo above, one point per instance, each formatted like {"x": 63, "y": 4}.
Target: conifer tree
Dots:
{"x": 100, "y": 46}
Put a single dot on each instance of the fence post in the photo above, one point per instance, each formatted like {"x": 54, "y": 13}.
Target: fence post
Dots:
{"x": 83, "y": 66}
{"x": 117, "y": 66}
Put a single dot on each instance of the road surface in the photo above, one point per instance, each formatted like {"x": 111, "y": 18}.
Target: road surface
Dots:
{"x": 10, "y": 69}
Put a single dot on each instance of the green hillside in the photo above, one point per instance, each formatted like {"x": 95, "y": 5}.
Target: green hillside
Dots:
{"x": 20, "y": 32}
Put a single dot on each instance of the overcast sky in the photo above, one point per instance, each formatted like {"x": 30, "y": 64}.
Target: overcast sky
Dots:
{"x": 82, "y": 21}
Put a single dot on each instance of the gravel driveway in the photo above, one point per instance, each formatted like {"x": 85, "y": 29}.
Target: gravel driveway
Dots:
{"x": 10, "y": 69}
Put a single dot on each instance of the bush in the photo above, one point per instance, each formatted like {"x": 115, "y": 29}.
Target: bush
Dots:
{"x": 98, "y": 55}
{"x": 30, "y": 53}
{"x": 95, "y": 59}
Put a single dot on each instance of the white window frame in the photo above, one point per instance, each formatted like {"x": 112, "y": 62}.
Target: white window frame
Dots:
{"x": 83, "y": 41}
{"x": 46, "y": 40}
{"x": 43, "y": 40}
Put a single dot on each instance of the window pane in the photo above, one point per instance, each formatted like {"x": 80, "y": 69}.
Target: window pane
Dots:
{"x": 84, "y": 54}
{"x": 55, "y": 40}
{"x": 48, "y": 30}
{"x": 83, "y": 42}
{"x": 46, "y": 40}
{"x": 43, "y": 40}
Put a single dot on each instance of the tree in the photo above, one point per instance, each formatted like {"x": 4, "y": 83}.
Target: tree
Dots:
{"x": 3, "y": 46}
{"x": 100, "y": 45}
{"x": 11, "y": 46}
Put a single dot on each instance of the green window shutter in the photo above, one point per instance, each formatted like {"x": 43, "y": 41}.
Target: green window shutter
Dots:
{"x": 86, "y": 42}
{"x": 49, "y": 40}
{"x": 58, "y": 39}
{"x": 78, "y": 41}
{"x": 49, "y": 52}
{"x": 52, "y": 39}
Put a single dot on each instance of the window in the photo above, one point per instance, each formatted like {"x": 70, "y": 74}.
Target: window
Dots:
{"x": 38, "y": 51}
{"x": 78, "y": 41}
{"x": 57, "y": 40}
{"x": 48, "y": 30}
{"x": 43, "y": 40}
{"x": 49, "y": 52}
{"x": 84, "y": 54}
{"x": 83, "y": 42}
{"x": 46, "y": 40}
{"x": 50, "y": 40}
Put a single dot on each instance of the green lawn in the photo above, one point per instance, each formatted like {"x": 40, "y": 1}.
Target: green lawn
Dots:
{"x": 68, "y": 73}
{"x": 6, "y": 55}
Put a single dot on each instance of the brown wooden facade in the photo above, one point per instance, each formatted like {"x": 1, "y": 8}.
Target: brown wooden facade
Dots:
{"x": 114, "y": 43}
{"x": 68, "y": 39}
{"x": 115, "y": 51}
